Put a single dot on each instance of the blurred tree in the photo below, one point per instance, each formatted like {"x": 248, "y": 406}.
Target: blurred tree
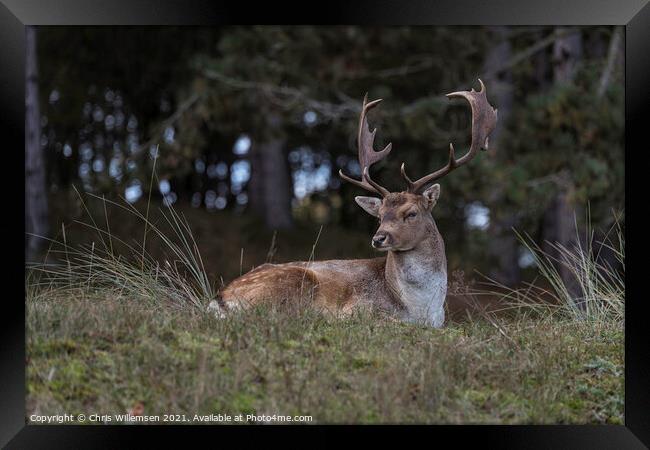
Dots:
{"x": 314, "y": 78}
{"x": 36, "y": 211}
{"x": 502, "y": 247}
{"x": 260, "y": 119}
{"x": 107, "y": 94}
{"x": 270, "y": 184}
{"x": 566, "y": 147}
{"x": 561, "y": 214}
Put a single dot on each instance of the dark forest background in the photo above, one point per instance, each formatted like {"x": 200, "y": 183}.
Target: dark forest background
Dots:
{"x": 248, "y": 127}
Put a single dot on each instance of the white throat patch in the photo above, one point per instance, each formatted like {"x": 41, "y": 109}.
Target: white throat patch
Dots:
{"x": 423, "y": 293}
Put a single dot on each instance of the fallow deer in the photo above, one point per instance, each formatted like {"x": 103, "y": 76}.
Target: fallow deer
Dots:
{"x": 411, "y": 280}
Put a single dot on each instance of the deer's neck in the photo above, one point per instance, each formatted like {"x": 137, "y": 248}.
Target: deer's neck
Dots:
{"x": 418, "y": 277}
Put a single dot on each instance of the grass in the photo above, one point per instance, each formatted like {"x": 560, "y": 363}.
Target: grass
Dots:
{"x": 180, "y": 277}
{"x": 111, "y": 332}
{"x": 105, "y": 353}
{"x": 579, "y": 284}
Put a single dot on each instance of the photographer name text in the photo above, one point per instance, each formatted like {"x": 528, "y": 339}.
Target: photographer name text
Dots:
{"x": 196, "y": 418}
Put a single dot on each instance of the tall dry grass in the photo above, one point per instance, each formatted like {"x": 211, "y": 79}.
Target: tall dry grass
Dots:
{"x": 581, "y": 284}
{"x": 180, "y": 279}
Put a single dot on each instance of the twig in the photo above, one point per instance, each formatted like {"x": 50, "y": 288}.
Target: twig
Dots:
{"x": 65, "y": 245}
{"x": 310, "y": 260}
{"x": 182, "y": 109}
{"x": 272, "y": 248}
{"x": 146, "y": 220}
{"x": 561, "y": 179}
{"x": 612, "y": 54}
{"x": 288, "y": 96}
{"x": 108, "y": 227}
{"x": 528, "y": 52}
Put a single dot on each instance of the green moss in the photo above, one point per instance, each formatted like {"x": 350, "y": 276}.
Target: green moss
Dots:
{"x": 243, "y": 403}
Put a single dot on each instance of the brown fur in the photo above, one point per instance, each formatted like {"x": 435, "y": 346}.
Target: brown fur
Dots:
{"x": 415, "y": 253}
{"x": 335, "y": 285}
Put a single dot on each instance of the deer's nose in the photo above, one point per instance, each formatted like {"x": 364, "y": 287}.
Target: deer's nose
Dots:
{"x": 379, "y": 239}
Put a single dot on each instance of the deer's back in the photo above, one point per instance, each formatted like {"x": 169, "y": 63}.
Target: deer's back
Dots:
{"x": 339, "y": 284}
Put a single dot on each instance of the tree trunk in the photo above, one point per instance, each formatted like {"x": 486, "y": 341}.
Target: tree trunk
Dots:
{"x": 560, "y": 229}
{"x": 36, "y": 211}
{"x": 567, "y": 52}
{"x": 542, "y": 67}
{"x": 270, "y": 185}
{"x": 615, "y": 48}
{"x": 560, "y": 218}
{"x": 502, "y": 247}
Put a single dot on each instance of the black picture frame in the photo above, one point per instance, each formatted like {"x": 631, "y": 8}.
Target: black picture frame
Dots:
{"x": 15, "y": 14}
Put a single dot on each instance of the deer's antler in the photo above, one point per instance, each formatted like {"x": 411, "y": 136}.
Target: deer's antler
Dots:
{"x": 484, "y": 119}
{"x": 367, "y": 155}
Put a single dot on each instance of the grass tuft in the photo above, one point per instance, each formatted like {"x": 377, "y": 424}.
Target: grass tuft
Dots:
{"x": 180, "y": 278}
{"x": 580, "y": 284}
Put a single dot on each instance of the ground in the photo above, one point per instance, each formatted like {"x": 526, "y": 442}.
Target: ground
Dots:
{"x": 104, "y": 354}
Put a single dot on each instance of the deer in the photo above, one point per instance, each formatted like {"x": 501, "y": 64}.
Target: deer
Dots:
{"x": 410, "y": 281}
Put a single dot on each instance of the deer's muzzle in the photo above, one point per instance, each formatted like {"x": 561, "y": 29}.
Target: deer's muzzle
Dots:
{"x": 381, "y": 240}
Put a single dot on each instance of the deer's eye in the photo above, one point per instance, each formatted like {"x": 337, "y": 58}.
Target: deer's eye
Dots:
{"x": 411, "y": 215}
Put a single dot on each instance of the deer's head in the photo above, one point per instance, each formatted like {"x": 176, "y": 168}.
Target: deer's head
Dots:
{"x": 405, "y": 217}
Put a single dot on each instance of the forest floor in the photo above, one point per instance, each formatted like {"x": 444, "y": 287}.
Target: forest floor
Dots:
{"x": 101, "y": 350}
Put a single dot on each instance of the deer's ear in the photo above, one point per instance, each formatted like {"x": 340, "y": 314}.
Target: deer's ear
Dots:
{"x": 369, "y": 204}
{"x": 431, "y": 195}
